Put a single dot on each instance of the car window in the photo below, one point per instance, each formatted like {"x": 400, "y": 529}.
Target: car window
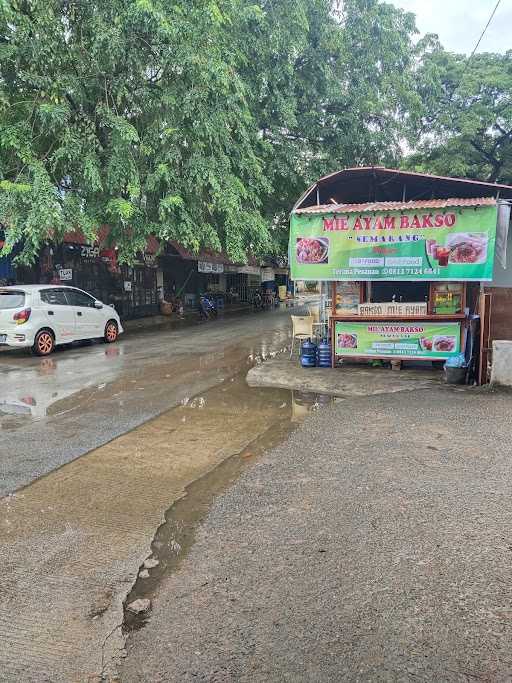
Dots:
{"x": 54, "y": 297}
{"x": 11, "y": 300}
{"x": 77, "y": 298}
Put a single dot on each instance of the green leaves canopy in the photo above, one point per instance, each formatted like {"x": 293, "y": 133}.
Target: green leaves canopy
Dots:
{"x": 197, "y": 120}
{"x": 467, "y": 114}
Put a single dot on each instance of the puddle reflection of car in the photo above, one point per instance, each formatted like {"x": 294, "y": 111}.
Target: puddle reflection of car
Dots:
{"x": 14, "y": 408}
{"x": 56, "y": 385}
{"x": 41, "y": 317}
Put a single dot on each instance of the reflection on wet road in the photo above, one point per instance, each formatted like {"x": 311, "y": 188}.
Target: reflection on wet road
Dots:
{"x": 55, "y": 409}
{"x": 71, "y": 543}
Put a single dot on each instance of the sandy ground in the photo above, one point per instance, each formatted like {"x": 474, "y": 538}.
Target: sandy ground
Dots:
{"x": 373, "y": 545}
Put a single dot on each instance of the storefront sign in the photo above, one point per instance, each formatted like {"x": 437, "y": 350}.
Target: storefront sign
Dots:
{"x": 430, "y": 341}
{"x": 454, "y": 244}
{"x": 146, "y": 259}
{"x": 89, "y": 252}
{"x": 249, "y": 270}
{"x": 207, "y": 267}
{"x": 149, "y": 259}
{"x": 392, "y": 308}
{"x": 65, "y": 274}
{"x": 242, "y": 270}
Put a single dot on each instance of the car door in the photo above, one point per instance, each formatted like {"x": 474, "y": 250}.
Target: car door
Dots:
{"x": 90, "y": 321}
{"x": 59, "y": 314}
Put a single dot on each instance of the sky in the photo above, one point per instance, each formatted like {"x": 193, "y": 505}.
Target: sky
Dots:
{"x": 459, "y": 23}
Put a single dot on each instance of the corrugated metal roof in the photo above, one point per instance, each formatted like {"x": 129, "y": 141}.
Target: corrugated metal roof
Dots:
{"x": 77, "y": 237}
{"x": 412, "y": 174}
{"x": 377, "y": 183}
{"x": 398, "y": 206}
{"x": 208, "y": 255}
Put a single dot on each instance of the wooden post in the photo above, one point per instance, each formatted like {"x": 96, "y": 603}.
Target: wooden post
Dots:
{"x": 484, "y": 307}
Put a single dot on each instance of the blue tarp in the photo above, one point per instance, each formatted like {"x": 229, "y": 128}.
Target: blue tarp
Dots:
{"x": 6, "y": 268}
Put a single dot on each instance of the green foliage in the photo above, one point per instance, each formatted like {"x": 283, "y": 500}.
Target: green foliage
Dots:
{"x": 467, "y": 116}
{"x": 196, "y": 120}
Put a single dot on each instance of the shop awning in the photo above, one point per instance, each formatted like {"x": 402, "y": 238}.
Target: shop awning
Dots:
{"x": 378, "y": 184}
{"x": 77, "y": 237}
{"x": 397, "y": 206}
{"x": 205, "y": 255}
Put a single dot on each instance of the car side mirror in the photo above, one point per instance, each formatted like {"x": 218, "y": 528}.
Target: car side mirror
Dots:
{"x": 98, "y": 304}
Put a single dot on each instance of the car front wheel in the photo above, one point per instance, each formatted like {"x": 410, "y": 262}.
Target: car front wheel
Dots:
{"x": 44, "y": 343}
{"x": 111, "y": 332}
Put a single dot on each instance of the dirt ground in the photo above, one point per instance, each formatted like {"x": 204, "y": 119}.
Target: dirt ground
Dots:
{"x": 374, "y": 544}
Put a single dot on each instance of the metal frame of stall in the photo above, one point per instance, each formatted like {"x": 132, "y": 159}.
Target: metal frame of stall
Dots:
{"x": 430, "y": 316}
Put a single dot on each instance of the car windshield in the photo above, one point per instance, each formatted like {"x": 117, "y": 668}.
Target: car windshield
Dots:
{"x": 11, "y": 299}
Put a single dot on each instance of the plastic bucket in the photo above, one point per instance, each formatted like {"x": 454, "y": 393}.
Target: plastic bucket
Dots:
{"x": 455, "y": 375}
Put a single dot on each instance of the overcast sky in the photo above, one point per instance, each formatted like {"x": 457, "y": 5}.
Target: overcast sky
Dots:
{"x": 459, "y": 23}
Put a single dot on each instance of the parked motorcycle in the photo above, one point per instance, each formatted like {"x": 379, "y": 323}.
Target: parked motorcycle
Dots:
{"x": 257, "y": 301}
{"x": 207, "y": 308}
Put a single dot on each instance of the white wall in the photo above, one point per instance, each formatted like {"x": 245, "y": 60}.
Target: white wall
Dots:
{"x": 502, "y": 363}
{"x": 502, "y": 277}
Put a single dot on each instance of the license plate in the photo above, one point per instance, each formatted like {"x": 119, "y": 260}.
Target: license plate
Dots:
{"x": 3, "y": 338}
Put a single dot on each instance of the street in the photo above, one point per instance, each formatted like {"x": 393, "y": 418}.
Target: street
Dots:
{"x": 72, "y": 541}
{"x": 83, "y": 397}
{"x": 274, "y": 535}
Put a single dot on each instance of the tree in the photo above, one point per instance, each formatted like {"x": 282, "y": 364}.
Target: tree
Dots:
{"x": 467, "y": 120}
{"x": 130, "y": 113}
{"x": 332, "y": 89}
{"x": 198, "y": 120}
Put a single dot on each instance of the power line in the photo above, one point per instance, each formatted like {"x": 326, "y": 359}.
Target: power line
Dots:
{"x": 485, "y": 29}
{"x": 477, "y": 45}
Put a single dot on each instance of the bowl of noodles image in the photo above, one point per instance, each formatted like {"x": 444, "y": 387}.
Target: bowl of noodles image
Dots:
{"x": 312, "y": 250}
{"x": 347, "y": 341}
{"x": 444, "y": 343}
{"x": 467, "y": 248}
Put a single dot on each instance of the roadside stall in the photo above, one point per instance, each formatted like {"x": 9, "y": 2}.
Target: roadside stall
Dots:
{"x": 402, "y": 279}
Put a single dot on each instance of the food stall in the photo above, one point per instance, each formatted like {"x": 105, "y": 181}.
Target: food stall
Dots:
{"x": 404, "y": 277}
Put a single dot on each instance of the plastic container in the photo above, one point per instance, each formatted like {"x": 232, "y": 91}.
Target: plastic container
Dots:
{"x": 308, "y": 354}
{"x": 282, "y": 292}
{"x": 458, "y": 361}
{"x": 324, "y": 359}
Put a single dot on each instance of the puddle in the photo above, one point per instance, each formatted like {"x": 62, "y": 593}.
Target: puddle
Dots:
{"x": 176, "y": 535}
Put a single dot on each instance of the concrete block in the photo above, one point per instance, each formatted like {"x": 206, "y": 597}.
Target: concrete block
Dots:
{"x": 502, "y": 363}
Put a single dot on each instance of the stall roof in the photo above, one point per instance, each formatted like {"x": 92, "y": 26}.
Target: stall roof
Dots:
{"x": 378, "y": 184}
{"x": 397, "y": 206}
{"x": 77, "y": 237}
{"x": 208, "y": 255}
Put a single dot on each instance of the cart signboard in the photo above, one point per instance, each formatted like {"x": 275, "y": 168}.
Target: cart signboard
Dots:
{"x": 429, "y": 341}
{"x": 456, "y": 244}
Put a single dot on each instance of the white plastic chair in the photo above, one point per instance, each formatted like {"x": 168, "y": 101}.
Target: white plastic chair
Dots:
{"x": 302, "y": 329}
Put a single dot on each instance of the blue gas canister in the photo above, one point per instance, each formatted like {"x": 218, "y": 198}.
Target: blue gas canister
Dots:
{"x": 308, "y": 354}
{"x": 324, "y": 354}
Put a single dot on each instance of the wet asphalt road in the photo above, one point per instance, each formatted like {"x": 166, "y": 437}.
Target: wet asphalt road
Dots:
{"x": 54, "y": 410}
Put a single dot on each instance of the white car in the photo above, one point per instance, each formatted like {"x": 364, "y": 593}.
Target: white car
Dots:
{"x": 41, "y": 317}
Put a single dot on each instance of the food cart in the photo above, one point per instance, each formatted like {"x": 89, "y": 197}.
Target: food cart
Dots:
{"x": 404, "y": 277}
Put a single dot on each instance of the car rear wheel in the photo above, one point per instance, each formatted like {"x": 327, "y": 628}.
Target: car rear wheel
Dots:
{"x": 44, "y": 343}
{"x": 111, "y": 332}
